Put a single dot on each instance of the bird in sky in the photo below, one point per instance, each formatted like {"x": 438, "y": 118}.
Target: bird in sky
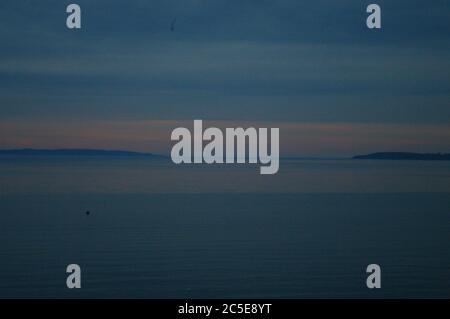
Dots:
{"x": 172, "y": 25}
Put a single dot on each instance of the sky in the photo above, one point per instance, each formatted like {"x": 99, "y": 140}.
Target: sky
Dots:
{"x": 312, "y": 68}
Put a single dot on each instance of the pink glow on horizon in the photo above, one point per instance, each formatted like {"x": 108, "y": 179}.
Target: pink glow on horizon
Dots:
{"x": 296, "y": 138}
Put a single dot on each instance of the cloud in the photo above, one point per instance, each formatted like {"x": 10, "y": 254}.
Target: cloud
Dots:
{"x": 275, "y": 61}
{"x": 337, "y": 82}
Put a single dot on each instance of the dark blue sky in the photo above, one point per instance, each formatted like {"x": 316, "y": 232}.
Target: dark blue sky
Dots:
{"x": 288, "y": 60}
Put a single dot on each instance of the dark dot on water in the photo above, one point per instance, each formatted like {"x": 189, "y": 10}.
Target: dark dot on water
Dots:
{"x": 88, "y": 213}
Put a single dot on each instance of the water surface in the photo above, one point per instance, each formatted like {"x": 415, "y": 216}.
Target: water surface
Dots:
{"x": 161, "y": 231}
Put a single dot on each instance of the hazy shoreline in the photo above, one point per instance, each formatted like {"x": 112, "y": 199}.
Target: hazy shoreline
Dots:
{"x": 121, "y": 153}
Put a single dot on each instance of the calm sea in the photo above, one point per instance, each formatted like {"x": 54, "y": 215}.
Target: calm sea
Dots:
{"x": 157, "y": 230}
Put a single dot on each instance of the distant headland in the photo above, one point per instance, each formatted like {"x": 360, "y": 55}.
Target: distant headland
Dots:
{"x": 405, "y": 156}
{"x": 76, "y": 152}
{"x": 118, "y": 153}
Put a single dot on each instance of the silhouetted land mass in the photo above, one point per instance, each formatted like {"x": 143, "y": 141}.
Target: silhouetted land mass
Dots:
{"x": 76, "y": 152}
{"x": 405, "y": 156}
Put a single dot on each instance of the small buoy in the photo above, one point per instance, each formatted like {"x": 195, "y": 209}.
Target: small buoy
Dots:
{"x": 88, "y": 213}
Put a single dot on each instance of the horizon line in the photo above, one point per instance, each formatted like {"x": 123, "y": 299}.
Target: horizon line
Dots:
{"x": 117, "y": 152}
